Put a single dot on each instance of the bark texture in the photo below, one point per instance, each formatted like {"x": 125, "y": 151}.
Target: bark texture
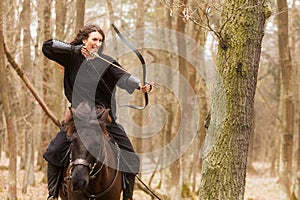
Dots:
{"x": 227, "y": 140}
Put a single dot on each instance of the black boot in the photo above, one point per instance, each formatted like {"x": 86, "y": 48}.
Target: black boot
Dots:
{"x": 53, "y": 174}
{"x": 128, "y": 190}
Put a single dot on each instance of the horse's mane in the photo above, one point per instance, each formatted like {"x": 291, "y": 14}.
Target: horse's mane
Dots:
{"x": 85, "y": 114}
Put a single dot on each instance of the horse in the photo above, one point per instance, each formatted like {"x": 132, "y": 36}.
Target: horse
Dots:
{"x": 93, "y": 172}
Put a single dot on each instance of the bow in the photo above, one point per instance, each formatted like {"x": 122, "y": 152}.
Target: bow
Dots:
{"x": 138, "y": 54}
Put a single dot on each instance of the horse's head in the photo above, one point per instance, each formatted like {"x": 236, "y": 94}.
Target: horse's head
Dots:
{"x": 87, "y": 141}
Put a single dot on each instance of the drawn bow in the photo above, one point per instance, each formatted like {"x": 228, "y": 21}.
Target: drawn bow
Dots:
{"x": 138, "y": 54}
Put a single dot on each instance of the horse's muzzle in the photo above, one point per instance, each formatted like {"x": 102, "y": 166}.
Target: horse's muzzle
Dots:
{"x": 80, "y": 179}
{"x": 79, "y": 186}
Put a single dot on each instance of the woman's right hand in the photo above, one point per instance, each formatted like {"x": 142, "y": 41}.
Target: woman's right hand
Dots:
{"x": 84, "y": 51}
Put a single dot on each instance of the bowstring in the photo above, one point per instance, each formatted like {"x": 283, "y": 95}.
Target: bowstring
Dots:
{"x": 112, "y": 94}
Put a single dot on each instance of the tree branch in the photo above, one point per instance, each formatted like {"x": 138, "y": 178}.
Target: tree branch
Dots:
{"x": 28, "y": 84}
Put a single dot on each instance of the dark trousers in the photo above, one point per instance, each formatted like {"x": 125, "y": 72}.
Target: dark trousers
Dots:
{"x": 59, "y": 146}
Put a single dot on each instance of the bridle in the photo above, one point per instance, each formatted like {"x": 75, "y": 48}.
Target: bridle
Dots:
{"x": 93, "y": 172}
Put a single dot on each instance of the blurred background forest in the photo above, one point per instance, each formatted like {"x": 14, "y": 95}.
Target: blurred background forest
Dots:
{"x": 24, "y": 138}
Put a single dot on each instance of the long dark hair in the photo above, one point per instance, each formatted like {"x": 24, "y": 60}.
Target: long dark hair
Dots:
{"x": 84, "y": 34}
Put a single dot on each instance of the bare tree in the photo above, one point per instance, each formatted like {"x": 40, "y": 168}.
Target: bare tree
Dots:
{"x": 287, "y": 96}
{"x": 199, "y": 34}
{"x": 28, "y": 131}
{"x": 46, "y": 136}
{"x": 80, "y": 13}
{"x": 12, "y": 185}
{"x": 58, "y": 93}
{"x": 138, "y": 115}
{"x": 176, "y": 166}
{"x": 112, "y": 21}
{"x": 169, "y": 130}
{"x": 295, "y": 50}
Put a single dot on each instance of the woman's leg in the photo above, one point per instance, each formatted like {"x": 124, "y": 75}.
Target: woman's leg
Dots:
{"x": 130, "y": 162}
{"x": 54, "y": 155}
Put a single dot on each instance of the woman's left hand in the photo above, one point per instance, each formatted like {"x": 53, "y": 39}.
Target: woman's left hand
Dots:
{"x": 146, "y": 88}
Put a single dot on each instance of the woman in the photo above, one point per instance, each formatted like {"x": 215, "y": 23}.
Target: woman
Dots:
{"x": 91, "y": 79}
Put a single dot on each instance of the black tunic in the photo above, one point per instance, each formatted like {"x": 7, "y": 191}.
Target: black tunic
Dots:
{"x": 93, "y": 81}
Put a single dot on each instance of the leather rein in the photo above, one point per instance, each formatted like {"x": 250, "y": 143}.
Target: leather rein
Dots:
{"x": 92, "y": 176}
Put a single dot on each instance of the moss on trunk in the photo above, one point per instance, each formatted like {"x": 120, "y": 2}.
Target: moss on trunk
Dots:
{"x": 228, "y": 136}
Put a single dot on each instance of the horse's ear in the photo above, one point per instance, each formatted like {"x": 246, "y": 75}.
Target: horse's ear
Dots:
{"x": 106, "y": 117}
{"x": 103, "y": 115}
{"x": 69, "y": 114}
{"x": 109, "y": 119}
{"x": 71, "y": 109}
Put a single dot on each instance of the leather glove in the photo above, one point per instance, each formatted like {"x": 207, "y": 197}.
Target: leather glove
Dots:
{"x": 63, "y": 47}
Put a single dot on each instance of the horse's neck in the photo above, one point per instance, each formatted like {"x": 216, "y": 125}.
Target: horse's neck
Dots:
{"x": 111, "y": 163}
{"x": 103, "y": 178}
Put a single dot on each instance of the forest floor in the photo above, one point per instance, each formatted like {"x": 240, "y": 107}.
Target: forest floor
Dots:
{"x": 258, "y": 187}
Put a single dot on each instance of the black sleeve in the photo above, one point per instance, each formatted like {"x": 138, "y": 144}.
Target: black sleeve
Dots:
{"x": 61, "y": 58}
{"x": 128, "y": 83}
{"x": 124, "y": 80}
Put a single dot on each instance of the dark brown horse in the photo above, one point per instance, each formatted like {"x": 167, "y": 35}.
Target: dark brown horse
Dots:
{"x": 93, "y": 172}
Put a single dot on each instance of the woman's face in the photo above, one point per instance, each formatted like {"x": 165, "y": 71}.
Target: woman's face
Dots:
{"x": 93, "y": 42}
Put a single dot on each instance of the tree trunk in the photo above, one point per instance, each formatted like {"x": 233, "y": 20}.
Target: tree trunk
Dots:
{"x": 110, "y": 13}
{"x": 80, "y": 13}
{"x": 287, "y": 97}
{"x": 58, "y": 96}
{"x": 166, "y": 173}
{"x": 295, "y": 51}
{"x": 12, "y": 174}
{"x": 40, "y": 62}
{"x": 138, "y": 115}
{"x": 46, "y": 132}
{"x": 178, "y": 175}
{"x": 28, "y": 136}
{"x": 12, "y": 36}
{"x": 228, "y": 135}
{"x": 200, "y": 87}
